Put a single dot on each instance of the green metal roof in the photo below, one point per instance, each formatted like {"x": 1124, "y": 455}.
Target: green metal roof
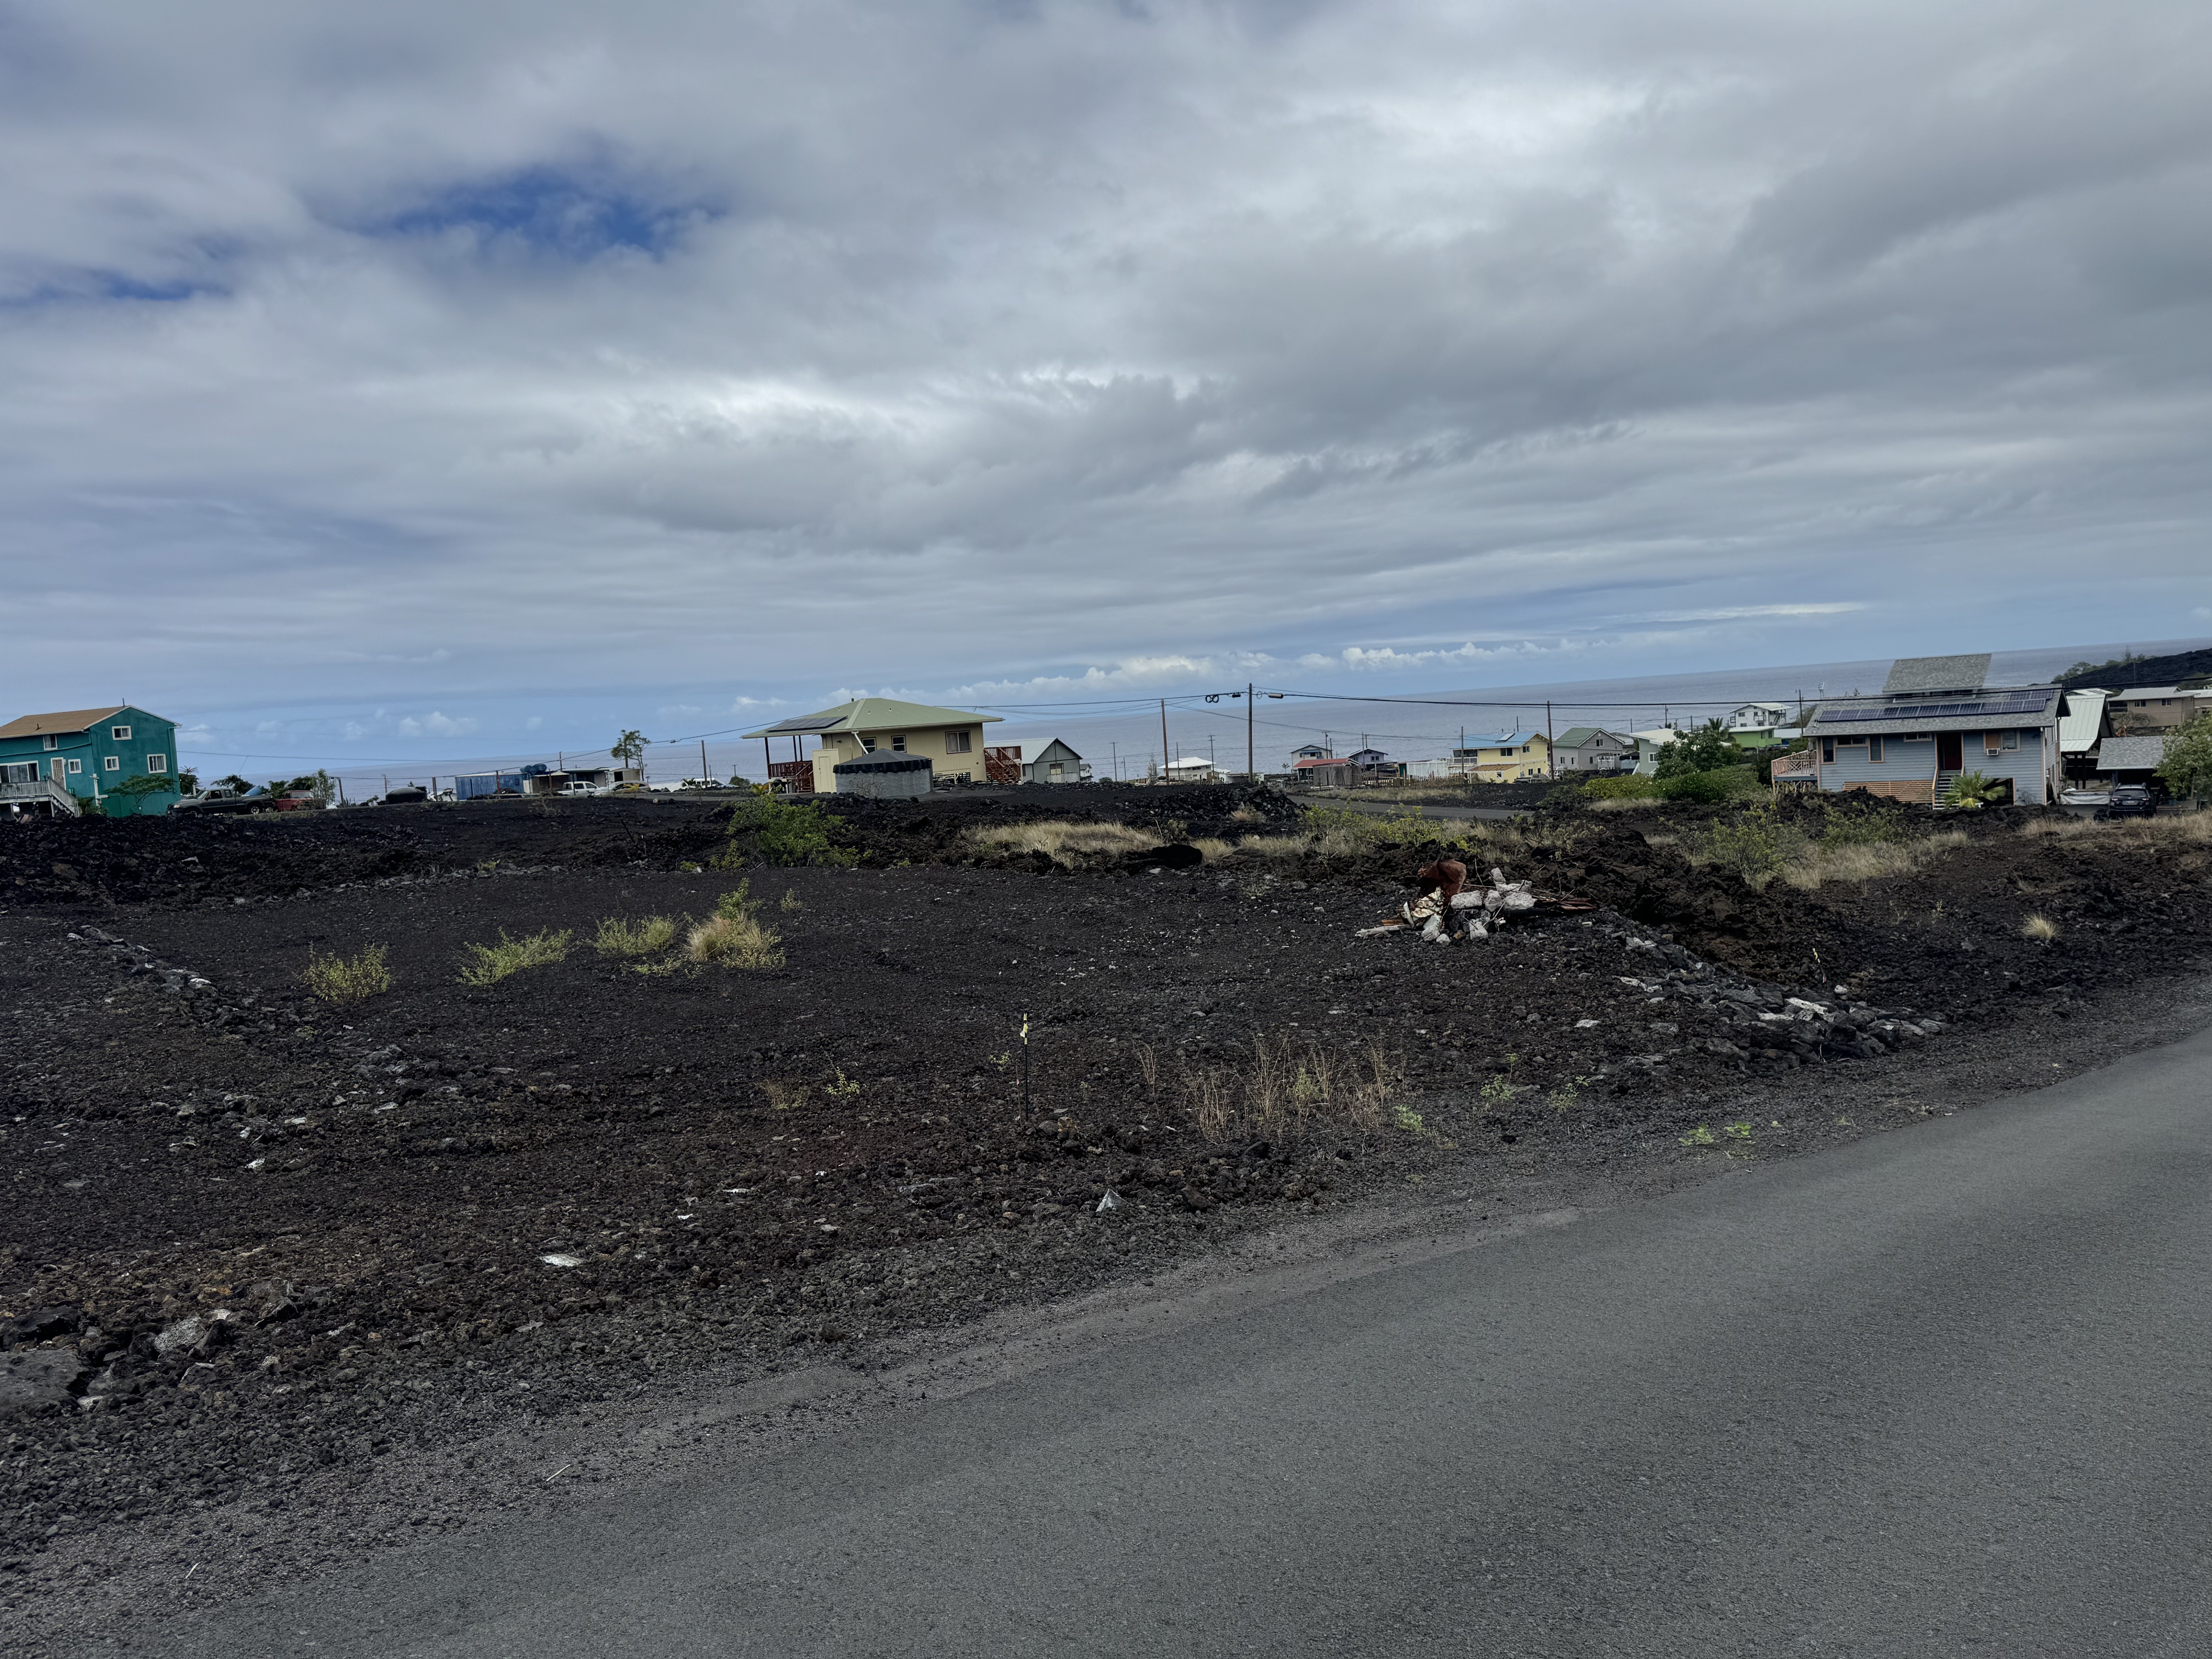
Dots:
{"x": 1576, "y": 736}
{"x": 871, "y": 714}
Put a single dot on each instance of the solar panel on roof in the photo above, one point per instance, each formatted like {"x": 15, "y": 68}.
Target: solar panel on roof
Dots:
{"x": 2016, "y": 703}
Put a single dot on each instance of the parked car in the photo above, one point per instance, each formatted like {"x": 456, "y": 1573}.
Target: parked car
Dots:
{"x": 227, "y": 800}
{"x": 2131, "y": 800}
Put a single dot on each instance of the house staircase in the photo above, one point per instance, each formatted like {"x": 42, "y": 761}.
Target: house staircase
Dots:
{"x": 40, "y": 792}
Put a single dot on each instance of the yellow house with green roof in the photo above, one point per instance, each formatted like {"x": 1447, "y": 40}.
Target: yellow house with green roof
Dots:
{"x": 951, "y": 739}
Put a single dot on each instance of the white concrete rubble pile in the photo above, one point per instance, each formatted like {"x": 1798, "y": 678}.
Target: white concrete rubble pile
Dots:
{"x": 1471, "y": 914}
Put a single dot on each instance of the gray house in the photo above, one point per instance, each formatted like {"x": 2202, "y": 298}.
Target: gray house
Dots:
{"x": 1582, "y": 751}
{"x": 1056, "y": 764}
{"x": 1936, "y": 718}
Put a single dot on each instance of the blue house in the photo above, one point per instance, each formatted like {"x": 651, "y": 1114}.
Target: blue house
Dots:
{"x": 69, "y": 760}
{"x": 1936, "y": 718}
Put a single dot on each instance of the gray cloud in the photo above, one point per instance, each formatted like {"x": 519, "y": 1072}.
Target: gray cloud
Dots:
{"x": 766, "y": 350}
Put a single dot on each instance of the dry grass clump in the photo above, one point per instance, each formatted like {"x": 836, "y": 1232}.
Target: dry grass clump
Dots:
{"x": 733, "y": 937}
{"x": 782, "y": 1096}
{"x": 2168, "y": 829}
{"x": 1273, "y": 848}
{"x": 2041, "y": 928}
{"x": 1056, "y": 836}
{"x": 1284, "y": 1088}
{"x": 489, "y": 963}
{"x": 1866, "y": 862}
{"x": 734, "y": 942}
{"x": 339, "y": 981}
{"x": 620, "y": 938}
{"x": 1626, "y": 804}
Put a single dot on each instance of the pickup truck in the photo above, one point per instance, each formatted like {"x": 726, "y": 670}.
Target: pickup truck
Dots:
{"x": 227, "y": 800}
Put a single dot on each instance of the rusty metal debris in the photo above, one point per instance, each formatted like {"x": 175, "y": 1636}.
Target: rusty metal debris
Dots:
{"x": 1449, "y": 910}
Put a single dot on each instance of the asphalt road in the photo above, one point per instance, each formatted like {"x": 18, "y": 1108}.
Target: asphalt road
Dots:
{"x": 1945, "y": 1391}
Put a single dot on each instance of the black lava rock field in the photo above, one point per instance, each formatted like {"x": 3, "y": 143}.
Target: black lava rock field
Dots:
{"x": 252, "y": 1235}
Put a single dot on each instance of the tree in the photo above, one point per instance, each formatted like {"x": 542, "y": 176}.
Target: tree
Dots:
{"x": 234, "y": 783}
{"x": 629, "y": 748}
{"x": 1707, "y": 749}
{"x": 189, "y": 782}
{"x": 122, "y": 801}
{"x": 2187, "y": 769}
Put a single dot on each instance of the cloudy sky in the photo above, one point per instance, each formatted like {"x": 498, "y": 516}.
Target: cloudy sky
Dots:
{"x": 413, "y": 379}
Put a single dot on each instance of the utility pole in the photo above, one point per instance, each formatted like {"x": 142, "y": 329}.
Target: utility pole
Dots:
{"x": 1163, "y": 739}
{"x": 705, "y": 776}
{"x": 768, "y": 759}
{"x": 1551, "y": 760}
{"x": 1251, "y": 770}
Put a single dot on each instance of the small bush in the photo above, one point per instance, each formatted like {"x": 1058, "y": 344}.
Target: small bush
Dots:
{"x": 734, "y": 940}
{"x": 1711, "y": 788}
{"x": 619, "y": 937}
{"x": 791, "y": 902}
{"x": 1860, "y": 829}
{"x": 1628, "y": 786}
{"x": 784, "y": 1096}
{"x": 341, "y": 979}
{"x": 1756, "y": 845}
{"x": 489, "y": 963}
{"x": 780, "y": 833}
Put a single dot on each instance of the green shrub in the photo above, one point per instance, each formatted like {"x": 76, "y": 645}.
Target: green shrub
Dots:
{"x": 2187, "y": 769}
{"x": 1712, "y": 788}
{"x": 1629, "y": 785}
{"x": 1707, "y": 749}
{"x": 618, "y": 936}
{"x": 1861, "y": 829}
{"x": 339, "y": 981}
{"x": 767, "y": 830}
{"x": 1755, "y": 844}
{"x": 489, "y": 963}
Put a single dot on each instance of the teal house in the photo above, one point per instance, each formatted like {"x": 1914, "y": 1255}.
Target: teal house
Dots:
{"x": 88, "y": 754}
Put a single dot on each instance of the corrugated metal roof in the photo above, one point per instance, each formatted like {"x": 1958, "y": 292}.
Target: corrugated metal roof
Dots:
{"x": 1911, "y": 674}
{"x": 2084, "y": 717}
{"x": 2131, "y": 754}
{"x": 874, "y": 714}
{"x": 1576, "y": 736}
{"x": 1500, "y": 740}
{"x": 67, "y": 720}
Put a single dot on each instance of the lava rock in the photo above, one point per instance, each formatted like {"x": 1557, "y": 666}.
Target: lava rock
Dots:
{"x": 39, "y": 1379}
{"x": 37, "y": 1326}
